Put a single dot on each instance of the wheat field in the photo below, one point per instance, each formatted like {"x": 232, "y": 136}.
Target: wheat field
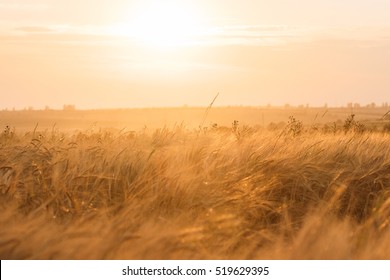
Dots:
{"x": 238, "y": 192}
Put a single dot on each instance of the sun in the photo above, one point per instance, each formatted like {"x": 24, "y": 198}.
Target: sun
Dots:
{"x": 162, "y": 24}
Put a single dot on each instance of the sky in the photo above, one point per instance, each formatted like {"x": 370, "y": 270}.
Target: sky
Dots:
{"x": 119, "y": 54}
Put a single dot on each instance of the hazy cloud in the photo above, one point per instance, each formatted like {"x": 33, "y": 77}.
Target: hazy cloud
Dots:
{"x": 34, "y": 29}
{"x": 256, "y": 34}
{"x": 284, "y": 34}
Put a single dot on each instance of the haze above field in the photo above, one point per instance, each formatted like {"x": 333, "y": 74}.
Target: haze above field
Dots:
{"x": 109, "y": 54}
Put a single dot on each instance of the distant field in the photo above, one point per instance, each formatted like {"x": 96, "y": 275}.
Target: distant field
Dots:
{"x": 257, "y": 183}
{"x": 136, "y": 119}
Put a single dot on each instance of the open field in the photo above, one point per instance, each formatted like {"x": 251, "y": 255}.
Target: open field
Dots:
{"x": 99, "y": 185}
{"x": 191, "y": 117}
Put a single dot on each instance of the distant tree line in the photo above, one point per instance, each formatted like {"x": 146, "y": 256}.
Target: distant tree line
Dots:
{"x": 69, "y": 107}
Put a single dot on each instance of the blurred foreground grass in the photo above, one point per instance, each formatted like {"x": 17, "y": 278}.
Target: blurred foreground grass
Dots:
{"x": 216, "y": 193}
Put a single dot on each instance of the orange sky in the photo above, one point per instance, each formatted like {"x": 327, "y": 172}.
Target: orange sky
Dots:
{"x": 121, "y": 53}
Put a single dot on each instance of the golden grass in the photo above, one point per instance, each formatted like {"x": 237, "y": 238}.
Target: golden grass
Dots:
{"x": 183, "y": 194}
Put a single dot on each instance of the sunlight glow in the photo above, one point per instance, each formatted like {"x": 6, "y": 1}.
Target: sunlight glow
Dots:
{"x": 166, "y": 25}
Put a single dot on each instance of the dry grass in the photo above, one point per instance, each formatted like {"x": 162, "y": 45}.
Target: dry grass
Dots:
{"x": 182, "y": 194}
